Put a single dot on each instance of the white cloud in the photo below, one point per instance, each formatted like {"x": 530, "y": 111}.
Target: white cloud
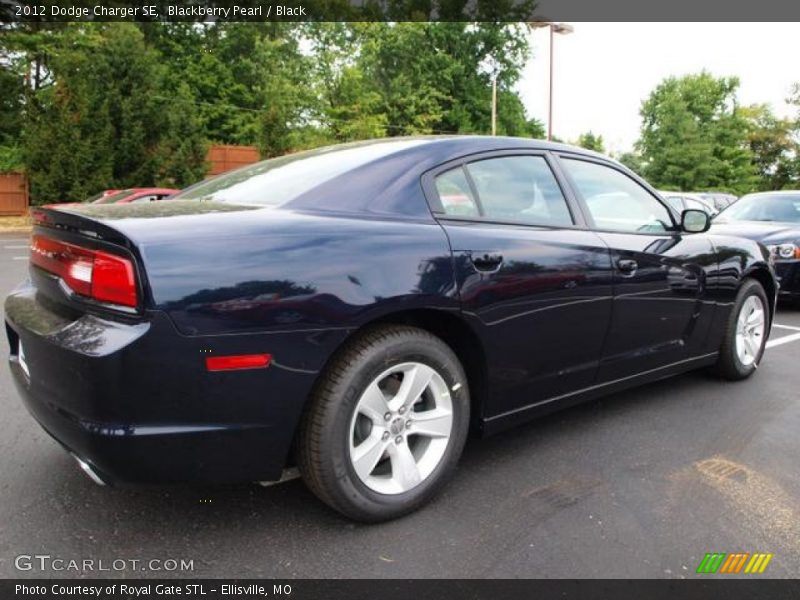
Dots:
{"x": 603, "y": 71}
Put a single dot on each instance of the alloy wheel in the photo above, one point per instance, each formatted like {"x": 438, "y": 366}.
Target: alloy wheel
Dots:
{"x": 401, "y": 428}
{"x": 750, "y": 328}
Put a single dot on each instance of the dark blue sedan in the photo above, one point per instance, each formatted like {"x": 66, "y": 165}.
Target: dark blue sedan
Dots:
{"x": 772, "y": 218}
{"x": 356, "y": 311}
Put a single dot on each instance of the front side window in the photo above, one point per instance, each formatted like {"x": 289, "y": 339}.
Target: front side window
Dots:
{"x": 675, "y": 202}
{"x": 615, "y": 201}
{"x": 510, "y": 188}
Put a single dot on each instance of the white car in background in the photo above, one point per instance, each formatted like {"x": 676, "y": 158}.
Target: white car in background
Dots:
{"x": 680, "y": 201}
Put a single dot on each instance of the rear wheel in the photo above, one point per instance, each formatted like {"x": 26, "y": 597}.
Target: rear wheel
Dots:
{"x": 746, "y": 333}
{"x": 386, "y": 424}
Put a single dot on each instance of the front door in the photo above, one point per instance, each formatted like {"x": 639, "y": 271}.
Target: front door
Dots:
{"x": 660, "y": 314}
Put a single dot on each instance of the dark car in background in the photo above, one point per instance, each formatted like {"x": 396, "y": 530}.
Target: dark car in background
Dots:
{"x": 772, "y": 218}
{"x": 356, "y": 310}
{"x": 135, "y": 195}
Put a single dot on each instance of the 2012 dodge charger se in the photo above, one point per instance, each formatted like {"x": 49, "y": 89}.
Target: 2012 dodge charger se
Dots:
{"x": 355, "y": 310}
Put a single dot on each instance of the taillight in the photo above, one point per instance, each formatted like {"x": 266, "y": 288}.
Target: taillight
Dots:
{"x": 95, "y": 274}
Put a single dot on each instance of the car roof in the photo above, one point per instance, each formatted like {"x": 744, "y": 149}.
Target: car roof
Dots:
{"x": 390, "y": 184}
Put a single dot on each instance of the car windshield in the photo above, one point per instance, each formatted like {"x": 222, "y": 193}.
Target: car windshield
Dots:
{"x": 95, "y": 197}
{"x": 115, "y": 197}
{"x": 276, "y": 181}
{"x": 764, "y": 207}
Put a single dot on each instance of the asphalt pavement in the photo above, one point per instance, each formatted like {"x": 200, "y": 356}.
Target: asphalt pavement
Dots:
{"x": 639, "y": 484}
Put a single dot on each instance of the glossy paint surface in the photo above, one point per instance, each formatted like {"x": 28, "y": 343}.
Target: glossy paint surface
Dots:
{"x": 769, "y": 233}
{"x": 556, "y": 321}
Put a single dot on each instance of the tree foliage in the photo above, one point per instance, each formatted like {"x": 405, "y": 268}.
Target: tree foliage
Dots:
{"x": 774, "y": 145}
{"x": 87, "y": 106}
{"x": 694, "y": 136}
{"x": 590, "y": 141}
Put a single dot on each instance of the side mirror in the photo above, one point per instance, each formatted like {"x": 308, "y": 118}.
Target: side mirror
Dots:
{"x": 695, "y": 221}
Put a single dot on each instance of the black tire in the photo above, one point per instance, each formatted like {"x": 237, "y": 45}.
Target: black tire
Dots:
{"x": 728, "y": 364}
{"x": 323, "y": 438}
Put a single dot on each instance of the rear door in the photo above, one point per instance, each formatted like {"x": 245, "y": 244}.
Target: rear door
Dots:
{"x": 534, "y": 283}
{"x": 661, "y": 313}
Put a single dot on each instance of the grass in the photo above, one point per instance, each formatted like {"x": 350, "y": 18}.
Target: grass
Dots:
{"x": 15, "y": 223}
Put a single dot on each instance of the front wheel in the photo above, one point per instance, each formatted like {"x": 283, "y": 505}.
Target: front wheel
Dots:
{"x": 386, "y": 424}
{"x": 746, "y": 333}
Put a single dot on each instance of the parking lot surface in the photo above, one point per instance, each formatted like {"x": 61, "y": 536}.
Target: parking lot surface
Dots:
{"x": 638, "y": 484}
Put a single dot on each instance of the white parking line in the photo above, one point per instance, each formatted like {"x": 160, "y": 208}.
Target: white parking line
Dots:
{"x": 795, "y": 337}
{"x": 779, "y": 326}
{"x": 16, "y": 247}
{"x": 19, "y": 258}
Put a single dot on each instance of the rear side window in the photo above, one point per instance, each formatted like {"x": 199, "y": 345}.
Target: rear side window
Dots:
{"x": 278, "y": 181}
{"x": 511, "y": 188}
{"x": 455, "y": 193}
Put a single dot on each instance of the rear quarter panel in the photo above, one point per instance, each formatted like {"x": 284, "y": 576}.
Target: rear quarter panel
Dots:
{"x": 291, "y": 271}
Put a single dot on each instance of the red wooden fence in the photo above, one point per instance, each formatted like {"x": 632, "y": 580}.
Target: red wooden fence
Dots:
{"x": 224, "y": 158}
{"x": 13, "y": 194}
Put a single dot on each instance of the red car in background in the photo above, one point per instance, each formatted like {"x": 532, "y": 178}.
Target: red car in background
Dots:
{"x": 99, "y": 195}
{"x": 135, "y": 195}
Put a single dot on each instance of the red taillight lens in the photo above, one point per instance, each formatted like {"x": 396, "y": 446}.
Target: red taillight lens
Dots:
{"x": 242, "y": 361}
{"x": 112, "y": 280}
{"x": 93, "y": 273}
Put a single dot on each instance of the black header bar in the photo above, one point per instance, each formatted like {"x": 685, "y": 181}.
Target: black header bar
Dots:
{"x": 398, "y": 10}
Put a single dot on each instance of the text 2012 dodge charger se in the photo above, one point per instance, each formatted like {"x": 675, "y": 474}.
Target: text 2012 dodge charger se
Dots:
{"x": 355, "y": 310}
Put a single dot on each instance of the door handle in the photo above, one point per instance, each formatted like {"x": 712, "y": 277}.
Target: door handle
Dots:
{"x": 627, "y": 266}
{"x": 486, "y": 262}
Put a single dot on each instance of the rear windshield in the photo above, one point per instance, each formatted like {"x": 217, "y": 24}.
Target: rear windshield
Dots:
{"x": 276, "y": 181}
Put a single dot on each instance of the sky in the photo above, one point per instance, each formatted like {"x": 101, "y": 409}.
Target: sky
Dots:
{"x": 603, "y": 71}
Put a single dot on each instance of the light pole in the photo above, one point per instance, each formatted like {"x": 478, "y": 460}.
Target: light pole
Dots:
{"x": 491, "y": 65}
{"x": 494, "y": 103}
{"x": 564, "y": 29}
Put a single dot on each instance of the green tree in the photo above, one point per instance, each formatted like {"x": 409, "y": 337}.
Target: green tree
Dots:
{"x": 349, "y": 108}
{"x": 183, "y": 148}
{"x": 107, "y": 119}
{"x": 67, "y": 139}
{"x": 590, "y": 141}
{"x": 694, "y": 136}
{"x": 633, "y": 161}
{"x": 774, "y": 146}
{"x": 430, "y": 77}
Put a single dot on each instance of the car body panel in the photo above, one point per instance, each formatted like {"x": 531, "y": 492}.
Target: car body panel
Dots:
{"x": 548, "y": 277}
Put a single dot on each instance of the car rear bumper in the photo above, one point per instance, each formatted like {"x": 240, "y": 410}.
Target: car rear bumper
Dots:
{"x": 136, "y": 403}
{"x": 788, "y": 273}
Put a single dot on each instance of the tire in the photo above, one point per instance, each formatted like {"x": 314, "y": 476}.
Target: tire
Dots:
{"x": 342, "y": 426}
{"x": 732, "y": 364}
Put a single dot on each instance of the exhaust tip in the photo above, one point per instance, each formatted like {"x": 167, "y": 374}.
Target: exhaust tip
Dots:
{"x": 90, "y": 471}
